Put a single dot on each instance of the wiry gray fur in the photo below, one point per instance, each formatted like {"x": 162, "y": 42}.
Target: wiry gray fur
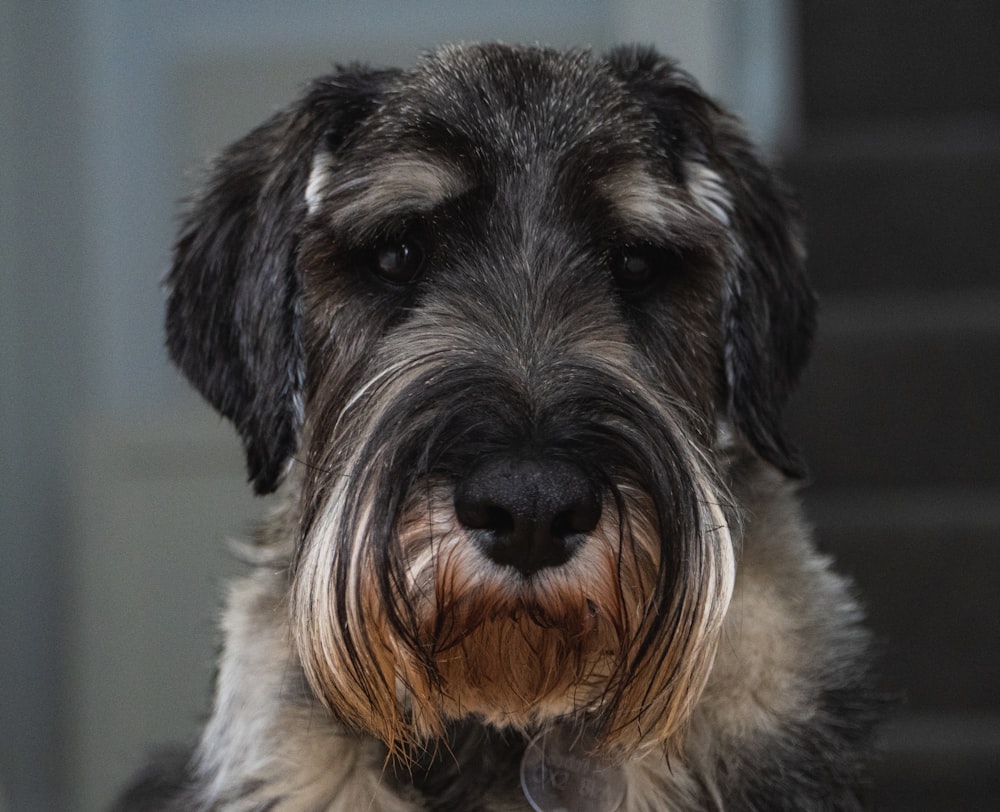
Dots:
{"x": 544, "y": 286}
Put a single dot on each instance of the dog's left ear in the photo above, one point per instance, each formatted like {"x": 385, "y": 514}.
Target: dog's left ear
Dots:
{"x": 232, "y": 312}
{"x": 769, "y": 309}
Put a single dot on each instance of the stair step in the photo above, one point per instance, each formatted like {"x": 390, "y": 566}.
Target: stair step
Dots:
{"x": 898, "y": 57}
{"x": 926, "y": 564}
{"x": 902, "y": 394}
{"x": 935, "y": 763}
{"x": 880, "y": 216}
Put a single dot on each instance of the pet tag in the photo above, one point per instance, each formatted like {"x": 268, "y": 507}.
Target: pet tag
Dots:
{"x": 557, "y": 776}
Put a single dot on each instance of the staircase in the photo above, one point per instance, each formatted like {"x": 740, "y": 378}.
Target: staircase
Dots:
{"x": 899, "y": 173}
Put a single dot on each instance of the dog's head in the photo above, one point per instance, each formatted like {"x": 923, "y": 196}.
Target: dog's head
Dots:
{"x": 495, "y": 309}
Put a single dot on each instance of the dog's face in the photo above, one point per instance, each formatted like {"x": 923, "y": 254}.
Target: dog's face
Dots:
{"x": 494, "y": 310}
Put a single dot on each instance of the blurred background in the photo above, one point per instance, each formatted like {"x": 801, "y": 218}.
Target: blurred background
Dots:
{"x": 119, "y": 488}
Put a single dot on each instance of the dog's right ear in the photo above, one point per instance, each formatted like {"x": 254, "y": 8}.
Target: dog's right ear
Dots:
{"x": 232, "y": 312}
{"x": 769, "y": 309}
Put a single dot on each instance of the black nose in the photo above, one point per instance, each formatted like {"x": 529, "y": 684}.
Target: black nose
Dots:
{"x": 527, "y": 513}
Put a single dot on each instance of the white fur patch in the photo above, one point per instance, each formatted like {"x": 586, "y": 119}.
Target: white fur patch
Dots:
{"x": 318, "y": 178}
{"x": 709, "y": 191}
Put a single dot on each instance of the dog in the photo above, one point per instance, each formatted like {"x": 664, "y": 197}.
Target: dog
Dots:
{"x": 511, "y": 333}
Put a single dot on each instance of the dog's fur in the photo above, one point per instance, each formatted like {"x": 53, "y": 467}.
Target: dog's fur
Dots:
{"x": 508, "y": 277}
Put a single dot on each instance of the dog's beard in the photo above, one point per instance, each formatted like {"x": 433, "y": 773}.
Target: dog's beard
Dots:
{"x": 403, "y": 625}
{"x": 514, "y": 650}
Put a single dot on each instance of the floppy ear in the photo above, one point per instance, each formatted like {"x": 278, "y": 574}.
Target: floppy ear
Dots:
{"x": 769, "y": 309}
{"x": 232, "y": 310}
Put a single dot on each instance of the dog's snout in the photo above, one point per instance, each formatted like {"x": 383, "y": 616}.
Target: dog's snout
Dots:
{"x": 528, "y": 513}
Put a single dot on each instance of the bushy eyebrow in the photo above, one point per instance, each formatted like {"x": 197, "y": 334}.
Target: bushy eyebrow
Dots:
{"x": 646, "y": 206}
{"x": 359, "y": 200}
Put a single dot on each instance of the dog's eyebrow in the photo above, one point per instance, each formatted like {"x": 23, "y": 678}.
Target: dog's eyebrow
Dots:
{"x": 395, "y": 187}
{"x": 660, "y": 209}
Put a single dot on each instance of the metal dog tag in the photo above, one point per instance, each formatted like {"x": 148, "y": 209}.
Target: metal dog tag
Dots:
{"x": 558, "y": 776}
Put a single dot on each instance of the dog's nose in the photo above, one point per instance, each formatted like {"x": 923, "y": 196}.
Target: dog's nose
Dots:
{"x": 527, "y": 513}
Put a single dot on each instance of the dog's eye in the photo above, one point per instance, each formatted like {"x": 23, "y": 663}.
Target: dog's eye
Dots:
{"x": 636, "y": 268}
{"x": 398, "y": 261}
